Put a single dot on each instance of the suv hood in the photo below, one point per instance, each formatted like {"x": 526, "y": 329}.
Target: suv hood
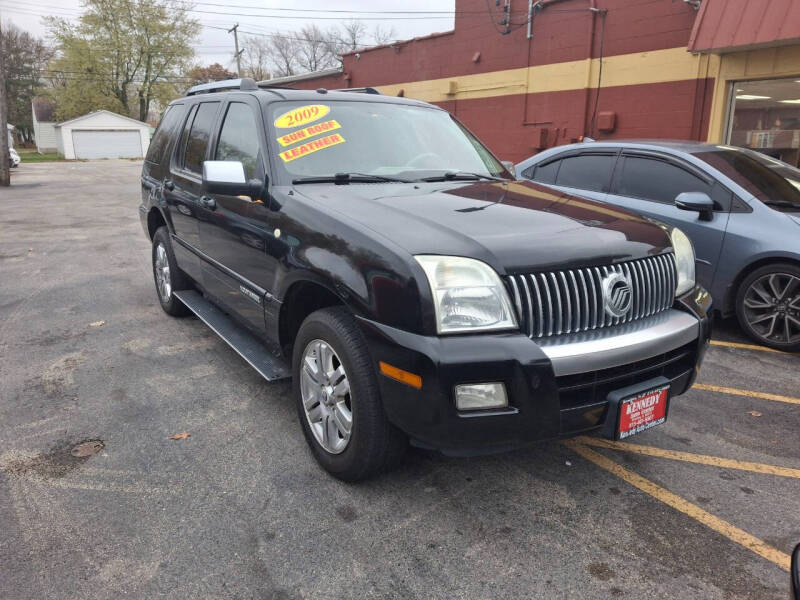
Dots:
{"x": 514, "y": 226}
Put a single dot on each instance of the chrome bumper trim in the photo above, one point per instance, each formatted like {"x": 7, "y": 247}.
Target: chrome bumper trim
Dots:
{"x": 615, "y": 346}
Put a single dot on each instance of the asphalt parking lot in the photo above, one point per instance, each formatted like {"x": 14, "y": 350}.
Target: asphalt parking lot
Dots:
{"x": 705, "y": 506}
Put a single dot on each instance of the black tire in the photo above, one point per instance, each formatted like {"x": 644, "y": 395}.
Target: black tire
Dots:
{"x": 178, "y": 279}
{"x": 375, "y": 445}
{"x": 788, "y": 307}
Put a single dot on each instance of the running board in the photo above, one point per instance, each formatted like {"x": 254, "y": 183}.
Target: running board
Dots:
{"x": 270, "y": 367}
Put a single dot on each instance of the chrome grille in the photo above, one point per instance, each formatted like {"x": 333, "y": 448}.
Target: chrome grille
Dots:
{"x": 562, "y": 302}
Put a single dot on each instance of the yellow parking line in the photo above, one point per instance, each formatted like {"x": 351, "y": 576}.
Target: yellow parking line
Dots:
{"x": 748, "y": 393}
{"x": 731, "y": 532}
{"x": 747, "y": 347}
{"x": 700, "y": 459}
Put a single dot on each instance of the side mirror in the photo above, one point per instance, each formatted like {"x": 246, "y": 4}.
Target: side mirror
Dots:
{"x": 698, "y": 202}
{"x": 227, "y": 177}
{"x": 510, "y": 167}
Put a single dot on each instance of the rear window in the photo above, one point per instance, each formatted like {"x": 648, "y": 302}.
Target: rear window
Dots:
{"x": 164, "y": 132}
{"x": 586, "y": 171}
{"x": 545, "y": 173}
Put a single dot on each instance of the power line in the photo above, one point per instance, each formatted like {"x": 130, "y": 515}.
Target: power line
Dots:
{"x": 421, "y": 16}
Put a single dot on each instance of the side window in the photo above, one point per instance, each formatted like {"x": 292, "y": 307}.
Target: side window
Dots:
{"x": 586, "y": 171}
{"x": 722, "y": 197}
{"x": 238, "y": 139}
{"x": 656, "y": 180}
{"x": 544, "y": 173}
{"x": 197, "y": 140}
{"x": 163, "y": 134}
{"x": 181, "y": 152}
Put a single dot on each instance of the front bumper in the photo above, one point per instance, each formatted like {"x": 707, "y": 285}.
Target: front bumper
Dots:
{"x": 556, "y": 388}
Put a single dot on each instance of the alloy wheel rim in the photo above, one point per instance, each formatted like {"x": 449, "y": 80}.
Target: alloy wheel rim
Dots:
{"x": 325, "y": 393}
{"x": 161, "y": 269}
{"x": 772, "y": 307}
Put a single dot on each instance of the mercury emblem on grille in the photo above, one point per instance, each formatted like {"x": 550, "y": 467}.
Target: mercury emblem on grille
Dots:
{"x": 617, "y": 296}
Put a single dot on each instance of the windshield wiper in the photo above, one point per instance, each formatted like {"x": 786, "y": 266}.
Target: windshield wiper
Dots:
{"x": 345, "y": 178}
{"x": 783, "y": 204}
{"x": 457, "y": 175}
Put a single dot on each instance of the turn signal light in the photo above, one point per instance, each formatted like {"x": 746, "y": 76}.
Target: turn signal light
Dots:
{"x": 400, "y": 375}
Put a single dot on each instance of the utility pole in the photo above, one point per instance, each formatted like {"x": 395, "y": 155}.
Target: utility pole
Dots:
{"x": 234, "y": 29}
{"x": 5, "y": 172}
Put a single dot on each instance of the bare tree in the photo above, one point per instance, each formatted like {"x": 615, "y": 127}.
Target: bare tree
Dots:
{"x": 314, "y": 49}
{"x": 283, "y": 52}
{"x": 381, "y": 36}
{"x": 257, "y": 57}
{"x": 350, "y": 36}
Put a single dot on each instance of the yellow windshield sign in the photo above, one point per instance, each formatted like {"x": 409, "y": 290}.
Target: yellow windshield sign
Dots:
{"x": 308, "y": 132}
{"x": 302, "y": 116}
{"x": 311, "y": 147}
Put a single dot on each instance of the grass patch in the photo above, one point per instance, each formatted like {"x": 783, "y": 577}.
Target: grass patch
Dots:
{"x": 32, "y": 156}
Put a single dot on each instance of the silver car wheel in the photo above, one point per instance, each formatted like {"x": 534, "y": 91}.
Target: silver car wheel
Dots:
{"x": 161, "y": 270}
{"x": 772, "y": 307}
{"x": 325, "y": 392}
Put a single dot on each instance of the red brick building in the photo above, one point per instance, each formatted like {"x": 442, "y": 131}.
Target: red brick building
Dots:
{"x": 546, "y": 72}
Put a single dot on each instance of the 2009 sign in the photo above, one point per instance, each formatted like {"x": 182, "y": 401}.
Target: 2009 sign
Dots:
{"x": 302, "y": 115}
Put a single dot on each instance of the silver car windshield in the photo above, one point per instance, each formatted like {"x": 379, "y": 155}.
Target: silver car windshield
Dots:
{"x": 775, "y": 183}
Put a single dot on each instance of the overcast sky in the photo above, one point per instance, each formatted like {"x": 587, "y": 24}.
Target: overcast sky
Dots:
{"x": 215, "y": 45}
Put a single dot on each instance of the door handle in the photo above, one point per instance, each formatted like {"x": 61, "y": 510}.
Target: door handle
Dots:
{"x": 208, "y": 202}
{"x": 169, "y": 185}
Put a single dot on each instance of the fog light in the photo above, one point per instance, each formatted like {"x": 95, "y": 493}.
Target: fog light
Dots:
{"x": 477, "y": 396}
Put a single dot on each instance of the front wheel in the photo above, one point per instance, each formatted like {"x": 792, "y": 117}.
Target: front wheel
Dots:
{"x": 338, "y": 399}
{"x": 768, "y": 306}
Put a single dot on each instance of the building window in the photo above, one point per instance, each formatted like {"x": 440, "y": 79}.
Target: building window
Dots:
{"x": 765, "y": 116}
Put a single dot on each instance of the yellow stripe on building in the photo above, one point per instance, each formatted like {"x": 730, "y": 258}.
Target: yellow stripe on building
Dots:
{"x": 657, "y": 66}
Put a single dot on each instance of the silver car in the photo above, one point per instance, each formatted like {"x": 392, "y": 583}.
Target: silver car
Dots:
{"x": 740, "y": 208}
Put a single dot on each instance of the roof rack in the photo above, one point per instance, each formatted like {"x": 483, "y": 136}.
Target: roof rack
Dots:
{"x": 245, "y": 83}
{"x": 361, "y": 90}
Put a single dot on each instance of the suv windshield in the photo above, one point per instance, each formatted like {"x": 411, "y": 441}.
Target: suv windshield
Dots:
{"x": 377, "y": 139}
{"x": 775, "y": 183}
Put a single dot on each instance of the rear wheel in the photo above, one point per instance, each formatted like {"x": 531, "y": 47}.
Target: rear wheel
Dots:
{"x": 768, "y": 306}
{"x": 338, "y": 399}
{"x": 167, "y": 275}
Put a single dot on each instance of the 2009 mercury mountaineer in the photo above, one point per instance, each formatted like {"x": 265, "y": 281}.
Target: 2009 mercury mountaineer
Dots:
{"x": 416, "y": 290}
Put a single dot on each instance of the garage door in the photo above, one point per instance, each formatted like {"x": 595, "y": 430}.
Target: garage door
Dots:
{"x": 107, "y": 143}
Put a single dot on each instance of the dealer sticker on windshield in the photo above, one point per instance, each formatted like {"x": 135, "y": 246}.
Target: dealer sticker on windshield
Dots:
{"x": 311, "y": 147}
{"x": 642, "y": 411}
{"x": 308, "y": 132}
{"x": 302, "y": 116}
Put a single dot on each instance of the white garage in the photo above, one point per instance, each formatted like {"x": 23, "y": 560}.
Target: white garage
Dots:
{"x": 102, "y": 134}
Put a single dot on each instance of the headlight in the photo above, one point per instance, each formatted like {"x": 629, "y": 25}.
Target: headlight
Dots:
{"x": 684, "y": 261}
{"x": 467, "y": 294}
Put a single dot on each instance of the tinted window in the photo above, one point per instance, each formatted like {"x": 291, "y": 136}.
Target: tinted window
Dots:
{"x": 164, "y": 133}
{"x": 185, "y": 134}
{"x": 656, "y": 180}
{"x": 545, "y": 173}
{"x": 238, "y": 139}
{"x": 586, "y": 172}
{"x": 197, "y": 140}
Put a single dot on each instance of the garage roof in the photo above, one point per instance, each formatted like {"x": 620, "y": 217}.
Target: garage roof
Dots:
{"x": 731, "y": 25}
{"x": 108, "y": 112}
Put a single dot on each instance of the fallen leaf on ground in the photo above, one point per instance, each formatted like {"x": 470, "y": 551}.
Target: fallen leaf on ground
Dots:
{"x": 181, "y": 436}
{"x": 97, "y": 324}
{"x": 754, "y": 413}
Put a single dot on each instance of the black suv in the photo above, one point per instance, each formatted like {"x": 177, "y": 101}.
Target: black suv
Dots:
{"x": 416, "y": 289}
